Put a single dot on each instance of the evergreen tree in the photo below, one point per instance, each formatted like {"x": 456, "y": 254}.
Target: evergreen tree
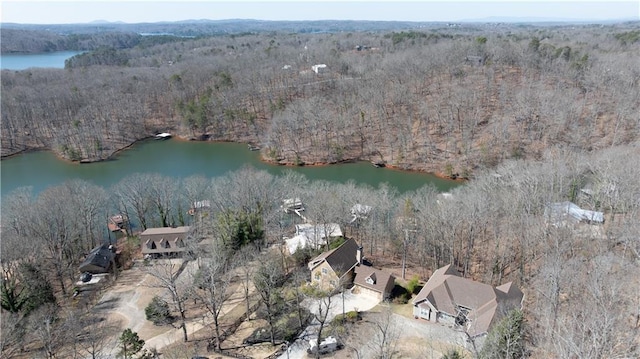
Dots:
{"x": 131, "y": 343}
{"x": 506, "y": 340}
{"x": 453, "y": 354}
{"x": 158, "y": 311}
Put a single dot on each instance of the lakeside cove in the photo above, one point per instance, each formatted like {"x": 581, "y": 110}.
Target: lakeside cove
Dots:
{"x": 181, "y": 158}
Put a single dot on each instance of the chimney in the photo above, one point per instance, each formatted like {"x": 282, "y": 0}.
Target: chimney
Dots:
{"x": 359, "y": 255}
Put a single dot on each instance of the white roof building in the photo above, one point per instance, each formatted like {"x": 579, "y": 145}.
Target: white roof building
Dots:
{"x": 560, "y": 212}
{"x": 318, "y": 68}
{"x": 314, "y": 235}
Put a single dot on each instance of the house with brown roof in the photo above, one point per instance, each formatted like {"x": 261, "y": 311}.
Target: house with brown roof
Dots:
{"x": 373, "y": 282}
{"x": 164, "y": 240}
{"x": 336, "y": 267}
{"x": 461, "y": 302}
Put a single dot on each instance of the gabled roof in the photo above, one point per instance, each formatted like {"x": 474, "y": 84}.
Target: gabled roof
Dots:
{"x": 165, "y": 231}
{"x": 372, "y": 278}
{"x": 341, "y": 259}
{"x": 98, "y": 260}
{"x": 447, "y": 291}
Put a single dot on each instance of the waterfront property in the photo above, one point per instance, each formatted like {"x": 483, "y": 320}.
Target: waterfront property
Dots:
{"x": 164, "y": 241}
{"x": 460, "y": 302}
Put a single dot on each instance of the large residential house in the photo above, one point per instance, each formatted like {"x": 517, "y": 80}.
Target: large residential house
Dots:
{"x": 343, "y": 266}
{"x": 164, "y": 240}
{"x": 336, "y": 267}
{"x": 461, "y": 302}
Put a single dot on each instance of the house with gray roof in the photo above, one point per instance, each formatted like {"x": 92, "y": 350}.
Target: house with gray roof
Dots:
{"x": 460, "y": 302}
{"x": 99, "y": 260}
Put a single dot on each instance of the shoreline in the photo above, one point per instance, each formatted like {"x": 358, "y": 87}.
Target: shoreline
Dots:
{"x": 113, "y": 157}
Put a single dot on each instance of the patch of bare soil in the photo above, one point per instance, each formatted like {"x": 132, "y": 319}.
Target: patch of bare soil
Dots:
{"x": 414, "y": 338}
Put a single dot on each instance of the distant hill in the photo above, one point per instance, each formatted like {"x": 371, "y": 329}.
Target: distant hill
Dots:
{"x": 547, "y": 20}
{"x": 205, "y": 27}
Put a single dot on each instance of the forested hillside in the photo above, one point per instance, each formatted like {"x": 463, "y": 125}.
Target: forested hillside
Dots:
{"x": 537, "y": 116}
{"x": 449, "y": 99}
{"x": 580, "y": 280}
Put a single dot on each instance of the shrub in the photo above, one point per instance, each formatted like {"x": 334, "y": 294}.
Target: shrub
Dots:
{"x": 413, "y": 286}
{"x": 400, "y": 295}
{"x": 402, "y": 298}
{"x": 351, "y": 316}
{"x": 158, "y": 311}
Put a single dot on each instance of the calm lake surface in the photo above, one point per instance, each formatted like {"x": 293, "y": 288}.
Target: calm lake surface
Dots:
{"x": 49, "y": 60}
{"x": 182, "y": 159}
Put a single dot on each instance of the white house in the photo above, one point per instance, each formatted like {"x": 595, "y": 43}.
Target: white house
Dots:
{"x": 312, "y": 235}
{"x": 563, "y": 212}
{"x": 319, "y": 68}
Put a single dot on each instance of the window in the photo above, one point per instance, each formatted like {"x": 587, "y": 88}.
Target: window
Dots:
{"x": 324, "y": 271}
{"x": 332, "y": 282}
{"x": 317, "y": 275}
{"x": 152, "y": 245}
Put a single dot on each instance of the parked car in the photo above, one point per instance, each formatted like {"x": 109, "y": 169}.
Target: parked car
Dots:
{"x": 328, "y": 345}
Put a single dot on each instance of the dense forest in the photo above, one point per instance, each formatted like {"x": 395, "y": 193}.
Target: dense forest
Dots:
{"x": 448, "y": 100}
{"x": 532, "y": 115}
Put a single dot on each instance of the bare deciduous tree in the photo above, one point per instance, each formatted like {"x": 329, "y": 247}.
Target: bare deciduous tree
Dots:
{"x": 167, "y": 275}
{"x": 267, "y": 279}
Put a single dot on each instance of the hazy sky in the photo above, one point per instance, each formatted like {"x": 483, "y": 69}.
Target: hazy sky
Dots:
{"x": 62, "y": 12}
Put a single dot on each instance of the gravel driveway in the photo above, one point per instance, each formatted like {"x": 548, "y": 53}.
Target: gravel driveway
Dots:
{"x": 359, "y": 302}
{"x": 415, "y": 337}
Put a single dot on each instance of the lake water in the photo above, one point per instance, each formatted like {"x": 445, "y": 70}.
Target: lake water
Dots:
{"x": 182, "y": 159}
{"x": 48, "y": 60}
